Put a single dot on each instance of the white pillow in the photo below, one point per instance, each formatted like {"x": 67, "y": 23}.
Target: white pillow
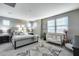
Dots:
{"x": 26, "y": 33}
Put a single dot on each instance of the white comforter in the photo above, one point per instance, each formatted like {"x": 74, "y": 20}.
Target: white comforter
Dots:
{"x": 21, "y": 37}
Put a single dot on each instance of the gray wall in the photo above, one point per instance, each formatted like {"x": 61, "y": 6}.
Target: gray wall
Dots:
{"x": 73, "y": 22}
{"x": 37, "y": 30}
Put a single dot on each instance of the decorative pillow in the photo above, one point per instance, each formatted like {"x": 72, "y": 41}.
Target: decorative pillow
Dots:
{"x": 58, "y": 38}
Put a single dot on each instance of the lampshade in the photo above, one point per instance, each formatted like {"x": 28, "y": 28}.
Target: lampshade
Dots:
{"x": 76, "y": 41}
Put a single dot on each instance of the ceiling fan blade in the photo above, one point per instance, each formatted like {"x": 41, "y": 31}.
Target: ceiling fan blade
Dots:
{"x": 10, "y": 4}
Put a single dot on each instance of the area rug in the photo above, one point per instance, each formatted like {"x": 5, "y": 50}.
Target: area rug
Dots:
{"x": 40, "y": 51}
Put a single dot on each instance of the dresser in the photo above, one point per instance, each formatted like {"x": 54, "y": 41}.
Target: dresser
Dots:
{"x": 4, "y": 37}
{"x": 76, "y": 45}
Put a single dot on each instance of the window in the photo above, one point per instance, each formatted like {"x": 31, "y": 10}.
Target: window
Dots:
{"x": 61, "y": 24}
{"x": 51, "y": 26}
{"x": 58, "y": 25}
{"x": 6, "y": 22}
{"x": 29, "y": 26}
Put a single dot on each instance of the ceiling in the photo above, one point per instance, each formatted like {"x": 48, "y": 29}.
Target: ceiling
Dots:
{"x": 35, "y": 11}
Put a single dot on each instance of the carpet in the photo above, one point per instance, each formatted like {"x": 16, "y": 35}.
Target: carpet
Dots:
{"x": 40, "y": 51}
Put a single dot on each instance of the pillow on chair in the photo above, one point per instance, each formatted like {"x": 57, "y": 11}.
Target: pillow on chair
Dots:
{"x": 69, "y": 46}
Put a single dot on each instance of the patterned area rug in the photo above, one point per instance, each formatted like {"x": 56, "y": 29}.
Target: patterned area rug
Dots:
{"x": 41, "y": 51}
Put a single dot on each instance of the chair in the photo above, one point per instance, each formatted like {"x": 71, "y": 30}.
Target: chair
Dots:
{"x": 56, "y": 38}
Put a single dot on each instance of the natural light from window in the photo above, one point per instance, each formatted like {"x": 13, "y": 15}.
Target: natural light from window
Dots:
{"x": 51, "y": 26}
{"x": 61, "y": 24}
{"x": 6, "y": 22}
{"x": 57, "y": 25}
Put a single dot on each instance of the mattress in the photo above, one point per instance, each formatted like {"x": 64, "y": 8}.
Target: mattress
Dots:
{"x": 21, "y": 37}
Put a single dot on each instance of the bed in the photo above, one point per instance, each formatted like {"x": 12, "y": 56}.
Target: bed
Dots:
{"x": 21, "y": 40}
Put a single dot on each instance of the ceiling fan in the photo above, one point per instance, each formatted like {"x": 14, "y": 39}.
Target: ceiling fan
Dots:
{"x": 11, "y": 4}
